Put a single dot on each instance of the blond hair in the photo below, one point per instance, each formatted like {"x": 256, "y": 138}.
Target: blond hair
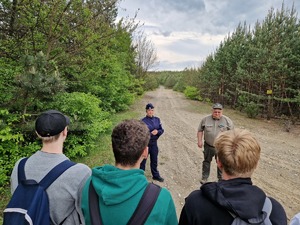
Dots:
{"x": 238, "y": 151}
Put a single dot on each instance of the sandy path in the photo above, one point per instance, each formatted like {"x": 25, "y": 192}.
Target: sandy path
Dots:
{"x": 180, "y": 159}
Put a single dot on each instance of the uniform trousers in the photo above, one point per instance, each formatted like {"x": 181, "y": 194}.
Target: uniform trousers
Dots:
{"x": 209, "y": 153}
{"x": 153, "y": 152}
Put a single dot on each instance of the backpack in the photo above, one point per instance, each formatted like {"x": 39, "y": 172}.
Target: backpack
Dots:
{"x": 29, "y": 203}
{"x": 140, "y": 214}
{"x": 264, "y": 217}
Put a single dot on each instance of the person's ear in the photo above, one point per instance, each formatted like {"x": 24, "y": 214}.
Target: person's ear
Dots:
{"x": 219, "y": 164}
{"x": 145, "y": 153}
{"x": 65, "y": 131}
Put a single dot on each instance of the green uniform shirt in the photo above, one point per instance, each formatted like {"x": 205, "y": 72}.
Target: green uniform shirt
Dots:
{"x": 212, "y": 127}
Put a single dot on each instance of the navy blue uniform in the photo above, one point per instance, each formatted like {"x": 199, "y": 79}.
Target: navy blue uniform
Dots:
{"x": 153, "y": 123}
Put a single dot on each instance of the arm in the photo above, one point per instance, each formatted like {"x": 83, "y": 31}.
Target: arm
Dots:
{"x": 200, "y": 139}
{"x": 159, "y": 131}
{"x": 230, "y": 125}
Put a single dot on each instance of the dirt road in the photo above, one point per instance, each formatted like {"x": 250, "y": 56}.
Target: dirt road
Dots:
{"x": 180, "y": 159}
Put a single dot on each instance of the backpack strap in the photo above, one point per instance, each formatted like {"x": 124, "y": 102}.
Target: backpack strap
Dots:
{"x": 21, "y": 170}
{"x": 140, "y": 214}
{"x": 265, "y": 217}
{"x": 145, "y": 205}
{"x": 55, "y": 173}
{"x": 95, "y": 215}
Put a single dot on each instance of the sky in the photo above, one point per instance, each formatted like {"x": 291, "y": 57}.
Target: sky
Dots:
{"x": 184, "y": 33}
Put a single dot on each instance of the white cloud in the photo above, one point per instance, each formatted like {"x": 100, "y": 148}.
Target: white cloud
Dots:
{"x": 186, "y": 32}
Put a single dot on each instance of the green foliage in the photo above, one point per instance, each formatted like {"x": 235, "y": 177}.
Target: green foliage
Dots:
{"x": 88, "y": 121}
{"x": 151, "y": 82}
{"x": 39, "y": 82}
{"x": 10, "y": 150}
{"x": 192, "y": 93}
{"x": 8, "y": 69}
{"x": 170, "y": 81}
{"x": 251, "y": 61}
{"x": 252, "y": 110}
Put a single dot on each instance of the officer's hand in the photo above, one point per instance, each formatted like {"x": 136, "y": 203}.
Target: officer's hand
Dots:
{"x": 154, "y": 132}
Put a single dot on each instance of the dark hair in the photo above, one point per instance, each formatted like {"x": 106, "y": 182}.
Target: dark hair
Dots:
{"x": 129, "y": 138}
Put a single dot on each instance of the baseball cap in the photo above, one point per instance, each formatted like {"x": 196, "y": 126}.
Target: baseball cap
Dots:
{"x": 217, "y": 106}
{"x": 149, "y": 106}
{"x": 51, "y": 123}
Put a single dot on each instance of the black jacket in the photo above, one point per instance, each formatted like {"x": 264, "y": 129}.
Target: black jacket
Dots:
{"x": 210, "y": 204}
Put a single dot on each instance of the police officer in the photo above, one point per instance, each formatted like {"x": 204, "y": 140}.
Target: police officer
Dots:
{"x": 210, "y": 126}
{"x": 156, "y": 130}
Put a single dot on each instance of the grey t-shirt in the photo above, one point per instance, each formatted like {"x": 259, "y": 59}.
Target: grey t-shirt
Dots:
{"x": 212, "y": 127}
{"x": 64, "y": 193}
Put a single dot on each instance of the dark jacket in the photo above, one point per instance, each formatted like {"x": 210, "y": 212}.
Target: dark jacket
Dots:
{"x": 210, "y": 204}
{"x": 152, "y": 124}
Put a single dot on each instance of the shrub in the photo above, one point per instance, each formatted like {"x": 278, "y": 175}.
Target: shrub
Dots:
{"x": 252, "y": 109}
{"x": 88, "y": 121}
{"x": 192, "y": 93}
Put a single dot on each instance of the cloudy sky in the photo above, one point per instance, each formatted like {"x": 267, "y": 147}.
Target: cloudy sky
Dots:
{"x": 184, "y": 33}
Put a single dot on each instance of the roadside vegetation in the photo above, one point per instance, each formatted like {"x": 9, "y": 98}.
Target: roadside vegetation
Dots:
{"x": 254, "y": 70}
{"x": 76, "y": 57}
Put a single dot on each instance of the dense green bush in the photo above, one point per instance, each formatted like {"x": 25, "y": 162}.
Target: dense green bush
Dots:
{"x": 252, "y": 110}
{"x": 192, "y": 93}
{"x": 13, "y": 145}
{"x": 88, "y": 121}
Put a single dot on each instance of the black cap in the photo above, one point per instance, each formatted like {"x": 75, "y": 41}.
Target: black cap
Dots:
{"x": 149, "y": 106}
{"x": 51, "y": 123}
{"x": 217, "y": 106}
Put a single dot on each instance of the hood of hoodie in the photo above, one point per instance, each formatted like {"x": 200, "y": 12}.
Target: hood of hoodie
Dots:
{"x": 238, "y": 196}
{"x": 115, "y": 185}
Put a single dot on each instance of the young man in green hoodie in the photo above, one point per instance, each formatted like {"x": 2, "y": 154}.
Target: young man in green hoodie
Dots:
{"x": 121, "y": 187}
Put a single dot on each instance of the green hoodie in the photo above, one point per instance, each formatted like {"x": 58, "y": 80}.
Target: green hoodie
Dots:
{"x": 121, "y": 191}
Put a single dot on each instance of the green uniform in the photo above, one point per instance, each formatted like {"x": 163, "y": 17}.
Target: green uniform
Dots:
{"x": 211, "y": 128}
{"x": 120, "y": 192}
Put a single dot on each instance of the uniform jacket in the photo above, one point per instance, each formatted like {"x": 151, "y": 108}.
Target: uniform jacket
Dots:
{"x": 119, "y": 194}
{"x": 212, "y": 127}
{"x": 210, "y": 204}
{"x": 153, "y": 123}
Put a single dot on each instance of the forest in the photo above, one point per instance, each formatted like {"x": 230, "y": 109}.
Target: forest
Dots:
{"x": 73, "y": 56}
{"x": 76, "y": 57}
{"x": 255, "y": 70}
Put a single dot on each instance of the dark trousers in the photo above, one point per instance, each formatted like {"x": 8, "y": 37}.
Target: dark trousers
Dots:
{"x": 153, "y": 152}
{"x": 209, "y": 153}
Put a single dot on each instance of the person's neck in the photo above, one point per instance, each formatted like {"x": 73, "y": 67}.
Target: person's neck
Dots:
{"x": 54, "y": 147}
{"x": 122, "y": 167}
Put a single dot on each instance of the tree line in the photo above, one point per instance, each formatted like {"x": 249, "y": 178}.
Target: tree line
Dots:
{"x": 73, "y": 56}
{"x": 254, "y": 69}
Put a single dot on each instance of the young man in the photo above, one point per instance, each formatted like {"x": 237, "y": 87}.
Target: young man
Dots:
{"x": 121, "y": 187}
{"x": 210, "y": 126}
{"x": 238, "y": 153}
{"x": 154, "y": 125}
{"x": 65, "y": 192}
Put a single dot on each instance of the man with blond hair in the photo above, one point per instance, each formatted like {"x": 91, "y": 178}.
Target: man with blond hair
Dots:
{"x": 216, "y": 203}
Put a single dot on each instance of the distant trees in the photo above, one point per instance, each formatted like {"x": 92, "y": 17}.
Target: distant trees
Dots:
{"x": 258, "y": 66}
